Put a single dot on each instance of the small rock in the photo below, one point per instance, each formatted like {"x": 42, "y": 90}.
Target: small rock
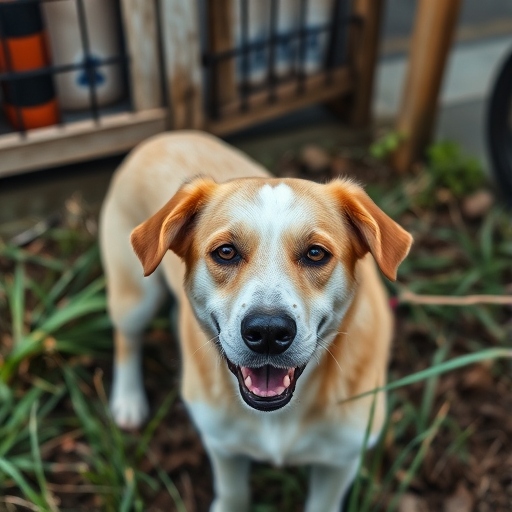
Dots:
{"x": 315, "y": 159}
{"x": 412, "y": 503}
{"x": 478, "y": 204}
{"x": 460, "y": 501}
{"x": 444, "y": 195}
{"x": 478, "y": 376}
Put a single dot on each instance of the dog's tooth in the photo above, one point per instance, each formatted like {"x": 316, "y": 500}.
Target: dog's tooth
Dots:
{"x": 245, "y": 371}
{"x": 286, "y": 381}
{"x": 280, "y": 390}
{"x": 271, "y": 393}
{"x": 248, "y": 382}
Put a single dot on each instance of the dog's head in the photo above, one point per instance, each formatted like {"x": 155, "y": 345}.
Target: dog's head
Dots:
{"x": 270, "y": 268}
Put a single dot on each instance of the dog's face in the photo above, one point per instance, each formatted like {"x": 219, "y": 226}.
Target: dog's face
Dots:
{"x": 270, "y": 269}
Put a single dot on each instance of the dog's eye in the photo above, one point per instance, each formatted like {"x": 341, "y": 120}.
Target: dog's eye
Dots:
{"x": 226, "y": 253}
{"x": 316, "y": 255}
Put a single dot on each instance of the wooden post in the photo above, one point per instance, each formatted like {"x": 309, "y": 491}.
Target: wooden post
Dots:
{"x": 221, "y": 22}
{"x": 182, "y": 56}
{"x": 139, "y": 19}
{"x": 433, "y": 33}
{"x": 363, "y": 57}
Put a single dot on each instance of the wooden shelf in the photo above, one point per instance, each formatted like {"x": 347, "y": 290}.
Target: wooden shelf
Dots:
{"x": 57, "y": 145}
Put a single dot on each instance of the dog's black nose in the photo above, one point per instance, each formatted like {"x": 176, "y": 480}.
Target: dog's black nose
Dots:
{"x": 268, "y": 334}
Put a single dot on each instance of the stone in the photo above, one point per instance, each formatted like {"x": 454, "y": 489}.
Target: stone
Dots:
{"x": 315, "y": 159}
{"x": 476, "y": 205}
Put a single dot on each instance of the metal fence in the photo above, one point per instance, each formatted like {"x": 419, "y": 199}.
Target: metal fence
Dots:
{"x": 29, "y": 74}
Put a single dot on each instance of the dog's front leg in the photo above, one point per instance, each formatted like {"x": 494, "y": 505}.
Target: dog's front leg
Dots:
{"x": 328, "y": 486}
{"x": 230, "y": 481}
{"x": 128, "y": 401}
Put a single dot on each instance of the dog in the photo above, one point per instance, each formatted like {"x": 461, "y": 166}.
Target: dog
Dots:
{"x": 282, "y": 313}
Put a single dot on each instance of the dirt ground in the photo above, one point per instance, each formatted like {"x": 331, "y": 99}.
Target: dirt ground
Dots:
{"x": 468, "y": 464}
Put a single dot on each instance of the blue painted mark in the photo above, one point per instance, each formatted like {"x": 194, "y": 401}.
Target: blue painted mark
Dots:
{"x": 84, "y": 76}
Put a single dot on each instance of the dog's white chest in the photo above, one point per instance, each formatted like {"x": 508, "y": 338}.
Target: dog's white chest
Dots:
{"x": 277, "y": 438}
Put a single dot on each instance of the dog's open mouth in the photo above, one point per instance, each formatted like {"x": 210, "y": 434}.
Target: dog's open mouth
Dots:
{"x": 266, "y": 388}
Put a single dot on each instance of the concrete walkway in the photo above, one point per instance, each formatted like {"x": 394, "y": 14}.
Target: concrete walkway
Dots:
{"x": 471, "y": 72}
{"x": 483, "y": 39}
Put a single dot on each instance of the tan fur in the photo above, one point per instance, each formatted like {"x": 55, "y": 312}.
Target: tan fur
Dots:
{"x": 200, "y": 216}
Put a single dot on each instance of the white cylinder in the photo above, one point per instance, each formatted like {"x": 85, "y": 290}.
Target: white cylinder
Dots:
{"x": 62, "y": 22}
{"x": 318, "y": 14}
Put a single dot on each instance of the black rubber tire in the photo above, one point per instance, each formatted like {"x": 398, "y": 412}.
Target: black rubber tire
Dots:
{"x": 499, "y": 130}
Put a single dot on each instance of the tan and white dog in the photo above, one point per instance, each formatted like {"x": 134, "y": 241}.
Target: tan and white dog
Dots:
{"x": 276, "y": 279}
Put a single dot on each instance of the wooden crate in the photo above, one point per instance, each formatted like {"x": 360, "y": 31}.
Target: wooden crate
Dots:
{"x": 168, "y": 68}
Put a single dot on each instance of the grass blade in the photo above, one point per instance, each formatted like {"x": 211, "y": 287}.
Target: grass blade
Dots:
{"x": 21, "y": 256}
{"x": 129, "y": 491}
{"x": 429, "y": 394}
{"x": 418, "y": 459}
{"x": 17, "y": 303}
{"x": 169, "y": 485}
{"x": 36, "y": 458}
{"x": 448, "y": 366}
{"x": 10, "y": 470}
{"x": 153, "y": 424}
{"x": 356, "y": 491}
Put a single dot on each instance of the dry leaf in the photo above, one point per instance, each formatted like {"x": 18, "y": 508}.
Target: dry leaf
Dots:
{"x": 412, "y": 503}
{"x": 460, "y": 501}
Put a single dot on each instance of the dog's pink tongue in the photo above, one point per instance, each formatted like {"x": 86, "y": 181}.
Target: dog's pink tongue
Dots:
{"x": 267, "y": 380}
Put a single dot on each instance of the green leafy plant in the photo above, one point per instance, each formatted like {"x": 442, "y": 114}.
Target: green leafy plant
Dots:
{"x": 382, "y": 148}
{"x": 450, "y": 168}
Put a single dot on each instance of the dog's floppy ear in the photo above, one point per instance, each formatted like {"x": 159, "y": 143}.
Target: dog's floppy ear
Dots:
{"x": 388, "y": 242}
{"x": 169, "y": 227}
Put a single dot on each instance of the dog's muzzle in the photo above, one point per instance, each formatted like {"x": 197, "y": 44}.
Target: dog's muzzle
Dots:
{"x": 267, "y": 388}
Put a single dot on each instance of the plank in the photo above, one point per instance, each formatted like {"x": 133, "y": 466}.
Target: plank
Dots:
{"x": 432, "y": 37}
{"x": 182, "y": 60}
{"x": 57, "y": 145}
{"x": 364, "y": 53}
{"x": 221, "y": 38}
{"x": 141, "y": 33}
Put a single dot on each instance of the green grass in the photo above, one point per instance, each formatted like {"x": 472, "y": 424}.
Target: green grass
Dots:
{"x": 55, "y": 330}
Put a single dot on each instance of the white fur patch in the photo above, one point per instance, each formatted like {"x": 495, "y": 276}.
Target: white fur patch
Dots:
{"x": 278, "y": 438}
{"x": 275, "y": 198}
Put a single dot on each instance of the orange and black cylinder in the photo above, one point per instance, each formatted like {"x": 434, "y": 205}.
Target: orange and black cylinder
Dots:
{"x": 28, "y": 101}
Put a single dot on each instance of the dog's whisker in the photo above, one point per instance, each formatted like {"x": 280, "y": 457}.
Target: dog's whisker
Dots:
{"x": 204, "y": 344}
{"x": 331, "y": 331}
{"x": 323, "y": 344}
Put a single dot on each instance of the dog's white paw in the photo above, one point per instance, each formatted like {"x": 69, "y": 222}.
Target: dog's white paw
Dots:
{"x": 129, "y": 410}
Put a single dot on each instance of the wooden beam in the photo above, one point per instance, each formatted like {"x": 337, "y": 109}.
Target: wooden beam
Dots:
{"x": 182, "y": 56}
{"x": 317, "y": 88}
{"x": 432, "y": 37}
{"x": 221, "y": 21}
{"x": 141, "y": 31}
{"x": 57, "y": 145}
{"x": 364, "y": 49}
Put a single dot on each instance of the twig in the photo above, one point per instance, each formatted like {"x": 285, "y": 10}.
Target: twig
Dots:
{"x": 81, "y": 488}
{"x": 446, "y": 300}
{"x": 14, "y": 500}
